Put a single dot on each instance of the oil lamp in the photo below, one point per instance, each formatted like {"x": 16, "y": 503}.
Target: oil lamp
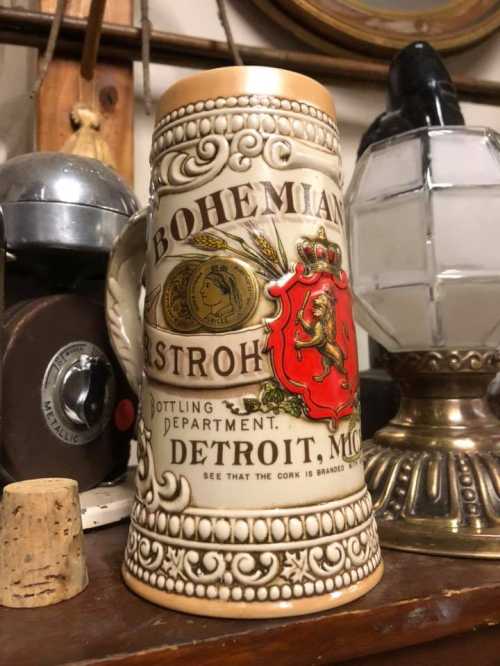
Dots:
{"x": 423, "y": 211}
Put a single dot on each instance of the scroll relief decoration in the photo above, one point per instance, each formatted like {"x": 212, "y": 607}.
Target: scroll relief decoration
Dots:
{"x": 193, "y": 147}
{"x": 276, "y": 555}
{"x": 170, "y": 492}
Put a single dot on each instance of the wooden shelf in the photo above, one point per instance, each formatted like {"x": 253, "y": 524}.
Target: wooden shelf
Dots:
{"x": 431, "y": 610}
{"x": 123, "y": 43}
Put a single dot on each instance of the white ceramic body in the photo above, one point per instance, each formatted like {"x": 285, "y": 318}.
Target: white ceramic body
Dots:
{"x": 241, "y": 512}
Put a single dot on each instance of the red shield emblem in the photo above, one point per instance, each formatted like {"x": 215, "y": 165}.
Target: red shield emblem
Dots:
{"x": 312, "y": 342}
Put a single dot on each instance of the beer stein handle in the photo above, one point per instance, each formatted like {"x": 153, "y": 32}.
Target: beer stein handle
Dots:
{"x": 123, "y": 286}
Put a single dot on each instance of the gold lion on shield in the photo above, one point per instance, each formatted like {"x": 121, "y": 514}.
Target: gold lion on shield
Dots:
{"x": 323, "y": 331}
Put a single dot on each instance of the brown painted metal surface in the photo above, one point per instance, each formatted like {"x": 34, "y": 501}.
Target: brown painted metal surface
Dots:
{"x": 35, "y": 331}
{"x": 424, "y": 606}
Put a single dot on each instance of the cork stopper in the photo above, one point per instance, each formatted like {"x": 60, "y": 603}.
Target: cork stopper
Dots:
{"x": 42, "y": 558}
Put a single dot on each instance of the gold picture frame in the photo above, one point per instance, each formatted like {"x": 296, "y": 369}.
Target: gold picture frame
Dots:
{"x": 381, "y": 31}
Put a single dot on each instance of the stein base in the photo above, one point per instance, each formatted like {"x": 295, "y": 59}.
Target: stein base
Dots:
{"x": 253, "y": 610}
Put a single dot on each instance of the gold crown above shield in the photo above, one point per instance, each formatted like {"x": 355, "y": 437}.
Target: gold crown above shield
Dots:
{"x": 320, "y": 254}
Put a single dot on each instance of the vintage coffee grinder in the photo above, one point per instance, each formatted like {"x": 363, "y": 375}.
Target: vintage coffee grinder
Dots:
{"x": 67, "y": 410}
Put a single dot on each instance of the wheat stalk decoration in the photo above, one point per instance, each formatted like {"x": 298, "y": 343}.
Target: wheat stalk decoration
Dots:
{"x": 208, "y": 242}
{"x": 272, "y": 262}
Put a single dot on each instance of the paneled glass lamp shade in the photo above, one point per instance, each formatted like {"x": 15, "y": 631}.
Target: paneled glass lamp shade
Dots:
{"x": 423, "y": 225}
{"x": 424, "y": 233}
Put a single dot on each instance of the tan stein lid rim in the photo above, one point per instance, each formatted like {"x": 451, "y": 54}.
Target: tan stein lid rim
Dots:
{"x": 249, "y": 80}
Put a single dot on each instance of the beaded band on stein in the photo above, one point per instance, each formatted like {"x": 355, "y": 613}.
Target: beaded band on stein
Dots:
{"x": 284, "y": 117}
{"x": 231, "y": 132}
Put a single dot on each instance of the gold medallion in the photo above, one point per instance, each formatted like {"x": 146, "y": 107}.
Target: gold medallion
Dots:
{"x": 222, "y": 293}
{"x": 174, "y": 299}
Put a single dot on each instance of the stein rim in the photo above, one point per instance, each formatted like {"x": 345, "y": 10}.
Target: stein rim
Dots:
{"x": 245, "y": 80}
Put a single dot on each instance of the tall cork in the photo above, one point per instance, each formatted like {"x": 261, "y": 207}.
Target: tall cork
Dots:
{"x": 42, "y": 559}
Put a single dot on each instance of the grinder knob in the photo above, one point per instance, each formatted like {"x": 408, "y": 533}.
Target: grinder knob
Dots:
{"x": 85, "y": 389}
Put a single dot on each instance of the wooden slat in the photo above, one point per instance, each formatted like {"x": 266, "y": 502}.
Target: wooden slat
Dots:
{"x": 111, "y": 92}
{"x": 124, "y": 43}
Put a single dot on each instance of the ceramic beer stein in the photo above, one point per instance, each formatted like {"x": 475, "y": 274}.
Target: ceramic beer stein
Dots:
{"x": 251, "y": 500}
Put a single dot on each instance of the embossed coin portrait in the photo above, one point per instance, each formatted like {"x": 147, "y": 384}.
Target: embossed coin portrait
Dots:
{"x": 220, "y": 293}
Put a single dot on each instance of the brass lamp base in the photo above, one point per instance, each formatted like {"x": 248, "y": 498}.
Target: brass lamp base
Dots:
{"x": 434, "y": 470}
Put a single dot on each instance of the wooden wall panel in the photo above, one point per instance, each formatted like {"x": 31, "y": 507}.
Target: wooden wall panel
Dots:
{"x": 111, "y": 93}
